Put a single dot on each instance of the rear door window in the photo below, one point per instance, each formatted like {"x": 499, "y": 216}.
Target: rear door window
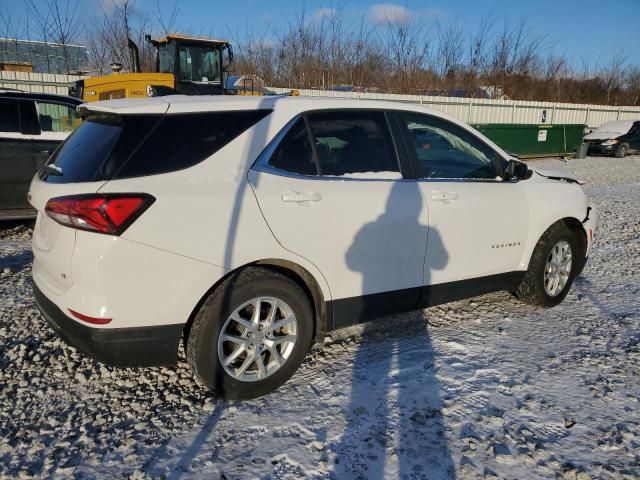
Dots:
{"x": 294, "y": 153}
{"x": 353, "y": 142}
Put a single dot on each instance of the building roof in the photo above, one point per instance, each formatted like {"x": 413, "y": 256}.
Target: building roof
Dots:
{"x": 45, "y": 57}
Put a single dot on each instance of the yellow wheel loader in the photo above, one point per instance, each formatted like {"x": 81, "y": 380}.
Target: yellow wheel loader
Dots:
{"x": 183, "y": 65}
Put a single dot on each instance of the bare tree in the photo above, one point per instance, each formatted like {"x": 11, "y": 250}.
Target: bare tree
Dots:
{"x": 613, "y": 75}
{"x": 450, "y": 52}
{"x": 633, "y": 85}
{"x": 407, "y": 41}
{"x": 167, "y": 22}
{"x": 108, "y": 35}
{"x": 60, "y": 21}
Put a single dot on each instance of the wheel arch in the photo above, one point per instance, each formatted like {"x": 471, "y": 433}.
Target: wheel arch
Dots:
{"x": 574, "y": 225}
{"x": 292, "y": 270}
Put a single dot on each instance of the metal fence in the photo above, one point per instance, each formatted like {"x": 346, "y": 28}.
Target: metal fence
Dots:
{"x": 479, "y": 110}
{"x": 470, "y": 110}
{"x": 38, "y": 82}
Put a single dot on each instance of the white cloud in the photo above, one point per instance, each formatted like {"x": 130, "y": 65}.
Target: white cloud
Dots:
{"x": 322, "y": 13}
{"x": 393, "y": 13}
{"x": 389, "y": 13}
{"x": 109, "y": 6}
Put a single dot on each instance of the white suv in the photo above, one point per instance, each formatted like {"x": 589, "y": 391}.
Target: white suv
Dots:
{"x": 249, "y": 227}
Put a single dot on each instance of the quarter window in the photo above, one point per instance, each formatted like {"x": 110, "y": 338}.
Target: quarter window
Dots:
{"x": 56, "y": 117}
{"x": 107, "y": 147}
{"x": 445, "y": 150}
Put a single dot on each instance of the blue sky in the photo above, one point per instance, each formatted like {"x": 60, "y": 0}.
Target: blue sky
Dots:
{"x": 589, "y": 29}
{"x": 578, "y": 29}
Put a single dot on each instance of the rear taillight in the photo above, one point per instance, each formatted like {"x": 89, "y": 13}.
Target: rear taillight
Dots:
{"x": 102, "y": 213}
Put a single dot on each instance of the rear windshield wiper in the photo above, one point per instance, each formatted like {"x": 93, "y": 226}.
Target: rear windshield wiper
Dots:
{"x": 51, "y": 169}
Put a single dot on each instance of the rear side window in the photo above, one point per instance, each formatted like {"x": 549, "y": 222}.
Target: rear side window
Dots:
{"x": 9, "y": 116}
{"x": 107, "y": 147}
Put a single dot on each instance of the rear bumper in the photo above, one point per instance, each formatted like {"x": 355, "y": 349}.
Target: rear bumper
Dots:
{"x": 120, "y": 347}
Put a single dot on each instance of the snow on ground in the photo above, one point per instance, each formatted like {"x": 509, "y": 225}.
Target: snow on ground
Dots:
{"x": 482, "y": 388}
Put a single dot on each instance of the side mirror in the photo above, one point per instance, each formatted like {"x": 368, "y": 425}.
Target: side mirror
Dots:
{"x": 516, "y": 170}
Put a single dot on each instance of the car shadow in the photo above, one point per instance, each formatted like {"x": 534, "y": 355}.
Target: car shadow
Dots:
{"x": 16, "y": 262}
{"x": 387, "y": 433}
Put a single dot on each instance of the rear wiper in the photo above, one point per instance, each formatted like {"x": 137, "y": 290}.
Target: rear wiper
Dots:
{"x": 51, "y": 169}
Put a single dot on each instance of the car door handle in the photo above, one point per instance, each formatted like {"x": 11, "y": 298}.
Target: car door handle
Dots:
{"x": 301, "y": 197}
{"x": 444, "y": 197}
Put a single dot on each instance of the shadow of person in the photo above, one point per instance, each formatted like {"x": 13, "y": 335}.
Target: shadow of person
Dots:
{"x": 394, "y": 426}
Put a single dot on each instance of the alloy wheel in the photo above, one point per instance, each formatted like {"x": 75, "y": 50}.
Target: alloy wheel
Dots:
{"x": 558, "y": 268}
{"x": 257, "y": 339}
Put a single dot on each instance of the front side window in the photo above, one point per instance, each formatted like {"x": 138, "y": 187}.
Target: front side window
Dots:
{"x": 445, "y": 150}
{"x": 56, "y": 117}
{"x": 199, "y": 64}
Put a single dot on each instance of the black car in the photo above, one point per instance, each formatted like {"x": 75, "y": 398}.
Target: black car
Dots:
{"x": 32, "y": 125}
{"x": 619, "y": 138}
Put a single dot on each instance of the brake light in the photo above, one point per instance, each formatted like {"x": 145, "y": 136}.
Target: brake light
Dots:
{"x": 102, "y": 213}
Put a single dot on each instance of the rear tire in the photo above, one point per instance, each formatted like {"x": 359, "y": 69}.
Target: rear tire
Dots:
{"x": 268, "y": 356}
{"x": 622, "y": 150}
{"x": 548, "y": 264}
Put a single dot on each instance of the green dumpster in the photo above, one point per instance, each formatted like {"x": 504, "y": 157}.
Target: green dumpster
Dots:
{"x": 526, "y": 140}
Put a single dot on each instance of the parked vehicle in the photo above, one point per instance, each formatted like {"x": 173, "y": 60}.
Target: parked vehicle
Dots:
{"x": 618, "y": 138}
{"x": 32, "y": 125}
{"x": 249, "y": 227}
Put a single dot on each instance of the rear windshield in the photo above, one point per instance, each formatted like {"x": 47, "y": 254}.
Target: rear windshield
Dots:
{"x": 108, "y": 147}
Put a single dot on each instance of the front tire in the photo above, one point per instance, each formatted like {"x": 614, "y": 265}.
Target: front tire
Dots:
{"x": 251, "y": 334}
{"x": 555, "y": 263}
{"x": 622, "y": 150}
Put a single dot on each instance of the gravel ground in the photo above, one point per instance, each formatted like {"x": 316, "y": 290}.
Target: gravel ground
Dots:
{"x": 483, "y": 388}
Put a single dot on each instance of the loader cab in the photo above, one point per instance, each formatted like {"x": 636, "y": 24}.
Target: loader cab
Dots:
{"x": 198, "y": 64}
